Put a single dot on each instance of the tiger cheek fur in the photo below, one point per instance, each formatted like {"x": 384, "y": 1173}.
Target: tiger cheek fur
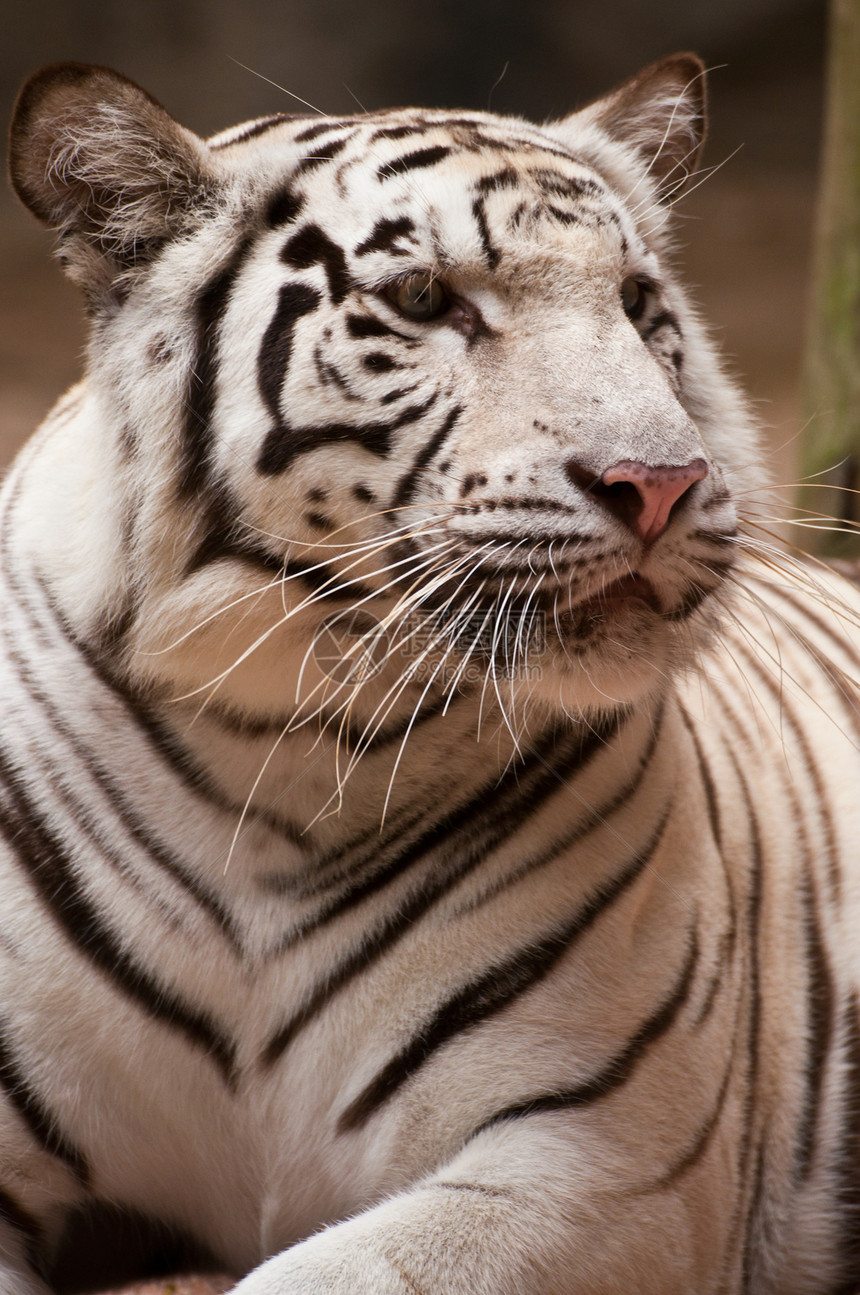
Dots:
{"x": 427, "y": 827}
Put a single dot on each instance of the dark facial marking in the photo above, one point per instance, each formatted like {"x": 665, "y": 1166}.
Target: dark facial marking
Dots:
{"x": 322, "y": 153}
{"x": 283, "y": 444}
{"x": 396, "y": 132}
{"x": 557, "y": 184}
{"x": 664, "y": 319}
{"x": 210, "y": 307}
{"x": 359, "y": 326}
{"x": 492, "y": 253}
{"x": 294, "y": 300}
{"x": 319, "y": 521}
{"x": 507, "y": 178}
{"x": 330, "y": 376}
{"x": 385, "y": 234}
{"x": 413, "y": 161}
{"x": 321, "y": 128}
{"x": 311, "y": 246}
{"x": 397, "y": 394}
{"x": 284, "y": 207}
{"x": 377, "y": 362}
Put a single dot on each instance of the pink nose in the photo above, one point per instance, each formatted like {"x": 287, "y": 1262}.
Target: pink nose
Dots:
{"x": 642, "y": 495}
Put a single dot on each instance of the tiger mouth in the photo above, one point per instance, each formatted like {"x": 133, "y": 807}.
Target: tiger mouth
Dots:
{"x": 629, "y": 595}
{"x": 624, "y": 592}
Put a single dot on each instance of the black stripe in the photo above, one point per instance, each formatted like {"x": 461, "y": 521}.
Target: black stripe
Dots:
{"x": 325, "y": 582}
{"x": 359, "y": 326}
{"x": 294, "y": 300}
{"x": 753, "y": 919}
{"x": 621, "y": 1067}
{"x": 53, "y": 874}
{"x": 217, "y": 524}
{"x": 663, "y": 319}
{"x": 788, "y": 715}
{"x": 507, "y": 178}
{"x": 384, "y": 235}
{"x": 490, "y": 251}
{"x": 848, "y": 1151}
{"x": 161, "y": 740}
{"x": 594, "y": 818}
{"x": 568, "y": 218}
{"x": 284, "y": 444}
{"x": 702, "y": 1141}
{"x": 311, "y": 246}
{"x": 406, "y": 485}
{"x": 844, "y": 645}
{"x": 258, "y": 128}
{"x": 820, "y": 1027}
{"x": 397, "y": 394}
{"x": 379, "y": 362}
{"x": 706, "y": 781}
{"x": 284, "y": 207}
{"x": 755, "y": 1225}
{"x": 514, "y": 800}
{"x": 495, "y": 810}
{"x": 551, "y": 181}
{"x": 41, "y": 1123}
{"x": 493, "y": 991}
{"x": 397, "y": 132}
{"x": 126, "y": 815}
{"x": 321, "y": 127}
{"x": 413, "y": 161}
{"x": 322, "y": 153}
{"x": 209, "y": 310}
{"x": 329, "y": 375}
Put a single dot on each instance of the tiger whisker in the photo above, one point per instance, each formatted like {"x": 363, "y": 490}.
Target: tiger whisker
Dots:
{"x": 404, "y": 606}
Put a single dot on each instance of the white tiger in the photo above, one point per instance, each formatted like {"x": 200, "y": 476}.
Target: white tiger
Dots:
{"x": 429, "y": 810}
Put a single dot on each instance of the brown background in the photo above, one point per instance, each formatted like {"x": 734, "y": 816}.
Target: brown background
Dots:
{"x": 744, "y": 236}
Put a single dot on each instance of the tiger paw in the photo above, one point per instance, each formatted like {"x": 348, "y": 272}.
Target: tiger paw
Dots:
{"x": 325, "y": 1266}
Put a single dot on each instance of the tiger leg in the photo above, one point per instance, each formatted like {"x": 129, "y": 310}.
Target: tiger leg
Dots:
{"x": 520, "y": 1211}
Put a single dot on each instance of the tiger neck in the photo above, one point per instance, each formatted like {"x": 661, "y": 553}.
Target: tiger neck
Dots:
{"x": 323, "y": 791}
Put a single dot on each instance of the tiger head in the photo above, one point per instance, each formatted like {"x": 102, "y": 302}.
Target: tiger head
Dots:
{"x": 426, "y": 375}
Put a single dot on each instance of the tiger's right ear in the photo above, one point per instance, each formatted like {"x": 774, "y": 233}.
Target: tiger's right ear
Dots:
{"x": 97, "y": 159}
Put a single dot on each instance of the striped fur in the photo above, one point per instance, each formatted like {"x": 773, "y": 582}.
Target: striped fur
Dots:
{"x": 423, "y": 867}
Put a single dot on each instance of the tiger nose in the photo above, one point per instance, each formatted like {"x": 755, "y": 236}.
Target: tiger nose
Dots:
{"x": 642, "y": 495}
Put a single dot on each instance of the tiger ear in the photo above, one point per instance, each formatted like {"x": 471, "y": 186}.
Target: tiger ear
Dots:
{"x": 661, "y": 113}
{"x": 97, "y": 159}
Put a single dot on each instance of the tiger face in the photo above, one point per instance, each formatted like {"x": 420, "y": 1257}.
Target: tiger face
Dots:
{"x": 429, "y": 367}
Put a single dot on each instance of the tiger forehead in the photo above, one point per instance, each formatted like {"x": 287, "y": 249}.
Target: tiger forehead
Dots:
{"x": 415, "y": 190}
{"x": 405, "y": 156}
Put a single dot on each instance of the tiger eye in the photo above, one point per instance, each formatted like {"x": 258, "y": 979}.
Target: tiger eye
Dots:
{"x": 634, "y": 295}
{"x": 420, "y": 297}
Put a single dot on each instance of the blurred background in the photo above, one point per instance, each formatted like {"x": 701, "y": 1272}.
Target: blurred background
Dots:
{"x": 744, "y": 235}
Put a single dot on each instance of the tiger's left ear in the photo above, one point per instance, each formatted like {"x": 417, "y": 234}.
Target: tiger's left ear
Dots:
{"x": 101, "y": 162}
{"x": 661, "y": 113}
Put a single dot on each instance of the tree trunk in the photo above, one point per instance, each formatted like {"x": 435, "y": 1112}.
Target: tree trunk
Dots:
{"x": 830, "y": 450}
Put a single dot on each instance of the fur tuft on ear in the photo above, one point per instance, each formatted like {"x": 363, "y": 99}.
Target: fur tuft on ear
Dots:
{"x": 661, "y": 113}
{"x": 96, "y": 158}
